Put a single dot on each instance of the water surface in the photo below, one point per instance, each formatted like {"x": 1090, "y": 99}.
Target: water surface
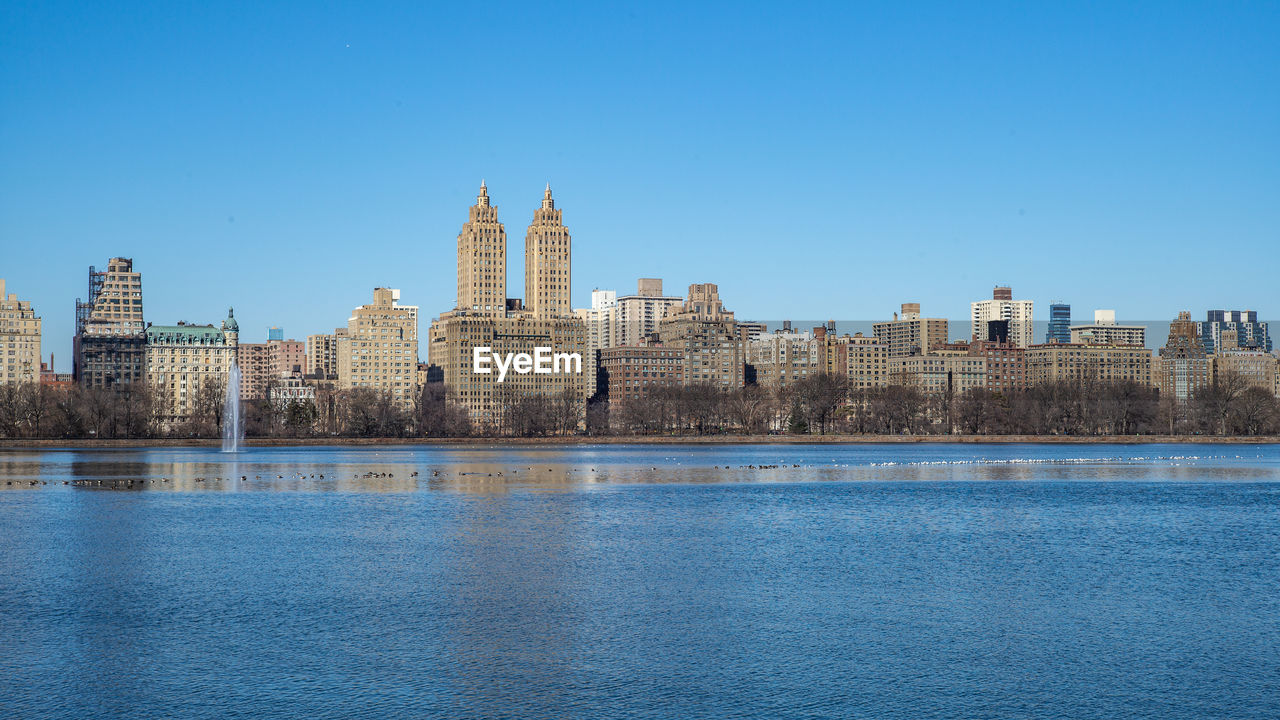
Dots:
{"x": 914, "y": 581}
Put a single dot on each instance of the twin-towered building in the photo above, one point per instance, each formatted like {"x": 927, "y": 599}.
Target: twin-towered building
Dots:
{"x": 485, "y": 322}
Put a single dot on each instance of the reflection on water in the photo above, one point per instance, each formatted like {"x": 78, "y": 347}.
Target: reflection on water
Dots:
{"x": 495, "y": 470}
{"x": 651, "y": 582}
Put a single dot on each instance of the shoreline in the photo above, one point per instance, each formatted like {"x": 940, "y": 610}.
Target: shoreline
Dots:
{"x": 17, "y": 444}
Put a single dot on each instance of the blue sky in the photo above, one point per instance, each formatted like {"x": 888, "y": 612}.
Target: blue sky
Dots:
{"x": 814, "y": 160}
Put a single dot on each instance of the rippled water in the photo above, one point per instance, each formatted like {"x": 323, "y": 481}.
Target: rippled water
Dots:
{"x": 924, "y": 581}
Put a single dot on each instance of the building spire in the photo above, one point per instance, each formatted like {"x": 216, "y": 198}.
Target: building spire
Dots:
{"x": 547, "y": 202}
{"x": 483, "y": 198}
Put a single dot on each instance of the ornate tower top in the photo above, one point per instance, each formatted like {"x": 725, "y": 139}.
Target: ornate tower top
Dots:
{"x": 483, "y": 198}
{"x": 547, "y": 202}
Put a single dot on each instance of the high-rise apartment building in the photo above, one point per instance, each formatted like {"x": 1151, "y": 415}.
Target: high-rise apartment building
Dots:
{"x": 380, "y": 348}
{"x": 187, "y": 366}
{"x": 546, "y": 269}
{"x": 482, "y": 261}
{"x": 783, "y": 358}
{"x": 1105, "y": 331}
{"x": 1059, "y": 324}
{"x": 1002, "y": 306}
{"x": 600, "y": 320}
{"x": 910, "y": 334}
{"x": 866, "y": 362}
{"x": 264, "y": 365}
{"x": 1250, "y": 334}
{"x": 714, "y": 345}
{"x": 110, "y": 342}
{"x": 322, "y": 354}
{"x": 485, "y": 318}
{"x": 1184, "y": 366}
{"x": 638, "y": 316}
{"x": 19, "y": 340}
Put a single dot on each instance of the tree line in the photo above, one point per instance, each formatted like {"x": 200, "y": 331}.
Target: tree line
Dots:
{"x": 818, "y": 405}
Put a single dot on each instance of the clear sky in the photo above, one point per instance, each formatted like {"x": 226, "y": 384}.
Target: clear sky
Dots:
{"x": 823, "y": 160}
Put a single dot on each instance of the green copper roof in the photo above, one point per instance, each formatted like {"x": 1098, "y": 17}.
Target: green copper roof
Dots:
{"x": 185, "y": 334}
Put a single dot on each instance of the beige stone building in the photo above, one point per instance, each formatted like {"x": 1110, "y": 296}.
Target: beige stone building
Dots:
{"x": 322, "y": 354}
{"x": 1256, "y": 367}
{"x": 714, "y": 344}
{"x": 1053, "y": 362}
{"x": 188, "y": 365}
{"x": 547, "y": 267}
{"x": 482, "y": 261}
{"x": 948, "y": 374}
{"x": 485, "y": 318}
{"x": 783, "y": 358}
{"x": 910, "y": 334}
{"x": 866, "y": 362}
{"x": 20, "y": 330}
{"x": 110, "y": 342}
{"x": 380, "y": 348}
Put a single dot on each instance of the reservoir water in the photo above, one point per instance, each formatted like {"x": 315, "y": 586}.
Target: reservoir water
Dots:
{"x": 763, "y": 581}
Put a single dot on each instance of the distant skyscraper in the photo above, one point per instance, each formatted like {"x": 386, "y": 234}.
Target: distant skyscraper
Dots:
{"x": 1250, "y": 334}
{"x": 482, "y": 260}
{"x": 1059, "y": 324}
{"x": 1002, "y": 306}
{"x": 546, "y": 269}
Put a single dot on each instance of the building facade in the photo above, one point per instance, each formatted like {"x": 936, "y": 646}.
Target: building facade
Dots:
{"x": 1250, "y": 334}
{"x": 1059, "y": 324}
{"x": 714, "y": 345}
{"x": 1006, "y": 365}
{"x": 109, "y": 348}
{"x": 910, "y": 334}
{"x": 783, "y": 358}
{"x": 187, "y": 366}
{"x": 380, "y": 348}
{"x": 263, "y": 365}
{"x": 1002, "y": 306}
{"x": 1055, "y": 362}
{"x": 630, "y": 374}
{"x": 20, "y": 330}
{"x": 322, "y": 354}
{"x": 637, "y": 316}
{"x": 1184, "y": 366}
{"x": 1105, "y": 331}
{"x": 947, "y": 375}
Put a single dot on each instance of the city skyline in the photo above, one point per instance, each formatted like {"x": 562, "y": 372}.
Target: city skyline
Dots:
{"x": 924, "y": 154}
